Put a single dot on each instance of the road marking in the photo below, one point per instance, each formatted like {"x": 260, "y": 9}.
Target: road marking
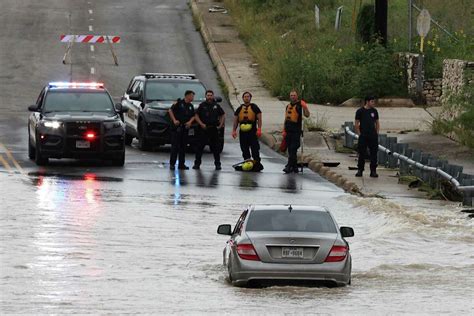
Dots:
{"x": 90, "y": 28}
{"x": 90, "y": 11}
{"x": 92, "y": 48}
{"x": 92, "y": 70}
{"x": 12, "y": 159}
{"x": 5, "y": 164}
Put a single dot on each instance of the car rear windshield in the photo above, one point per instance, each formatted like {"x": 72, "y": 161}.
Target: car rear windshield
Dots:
{"x": 284, "y": 220}
{"x": 78, "y": 101}
{"x": 170, "y": 91}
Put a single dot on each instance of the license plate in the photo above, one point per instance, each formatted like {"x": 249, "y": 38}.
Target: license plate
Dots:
{"x": 191, "y": 132}
{"x": 291, "y": 252}
{"x": 83, "y": 144}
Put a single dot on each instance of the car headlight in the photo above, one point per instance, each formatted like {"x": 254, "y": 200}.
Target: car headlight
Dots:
{"x": 156, "y": 112}
{"x": 52, "y": 124}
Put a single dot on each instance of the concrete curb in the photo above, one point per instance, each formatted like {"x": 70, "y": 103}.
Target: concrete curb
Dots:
{"x": 313, "y": 163}
{"x": 212, "y": 50}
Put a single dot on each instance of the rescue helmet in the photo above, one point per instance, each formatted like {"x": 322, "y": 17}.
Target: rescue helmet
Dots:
{"x": 245, "y": 127}
{"x": 247, "y": 165}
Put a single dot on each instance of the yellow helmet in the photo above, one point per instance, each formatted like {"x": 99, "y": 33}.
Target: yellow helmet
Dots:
{"x": 247, "y": 165}
{"x": 245, "y": 127}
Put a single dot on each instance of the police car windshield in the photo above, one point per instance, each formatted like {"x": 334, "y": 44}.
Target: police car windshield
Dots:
{"x": 284, "y": 220}
{"x": 170, "y": 91}
{"x": 78, "y": 101}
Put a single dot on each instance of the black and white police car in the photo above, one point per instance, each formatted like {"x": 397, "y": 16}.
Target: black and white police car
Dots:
{"x": 149, "y": 96}
{"x": 76, "y": 120}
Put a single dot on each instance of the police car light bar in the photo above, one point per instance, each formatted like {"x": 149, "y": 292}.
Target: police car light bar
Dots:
{"x": 169, "y": 76}
{"x": 92, "y": 85}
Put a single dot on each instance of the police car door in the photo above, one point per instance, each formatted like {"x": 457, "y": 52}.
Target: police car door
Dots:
{"x": 132, "y": 99}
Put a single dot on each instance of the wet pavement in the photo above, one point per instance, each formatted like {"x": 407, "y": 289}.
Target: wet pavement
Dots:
{"x": 82, "y": 237}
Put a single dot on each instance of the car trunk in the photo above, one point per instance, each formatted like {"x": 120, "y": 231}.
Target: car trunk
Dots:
{"x": 292, "y": 247}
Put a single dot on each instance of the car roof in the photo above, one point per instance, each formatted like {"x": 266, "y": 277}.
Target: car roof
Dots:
{"x": 168, "y": 77}
{"x": 267, "y": 207}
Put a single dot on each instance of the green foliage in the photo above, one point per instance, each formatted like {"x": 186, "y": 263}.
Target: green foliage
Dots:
{"x": 291, "y": 51}
{"x": 366, "y": 24}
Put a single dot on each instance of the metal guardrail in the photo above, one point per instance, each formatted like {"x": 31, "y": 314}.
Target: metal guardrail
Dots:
{"x": 466, "y": 188}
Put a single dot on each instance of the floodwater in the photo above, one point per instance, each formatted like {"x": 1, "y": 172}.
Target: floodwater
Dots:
{"x": 148, "y": 244}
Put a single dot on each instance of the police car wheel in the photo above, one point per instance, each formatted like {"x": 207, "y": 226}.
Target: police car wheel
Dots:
{"x": 31, "y": 150}
{"x": 128, "y": 139}
{"x": 39, "y": 159}
{"x": 143, "y": 143}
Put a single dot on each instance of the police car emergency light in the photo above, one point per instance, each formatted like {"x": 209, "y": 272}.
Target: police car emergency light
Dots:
{"x": 90, "y": 85}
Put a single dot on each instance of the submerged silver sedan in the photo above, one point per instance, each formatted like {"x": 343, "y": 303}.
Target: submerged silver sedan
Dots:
{"x": 287, "y": 244}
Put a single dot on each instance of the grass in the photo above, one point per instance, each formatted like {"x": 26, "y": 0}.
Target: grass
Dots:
{"x": 320, "y": 124}
{"x": 333, "y": 66}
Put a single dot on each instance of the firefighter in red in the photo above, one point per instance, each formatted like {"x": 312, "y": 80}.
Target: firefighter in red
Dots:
{"x": 293, "y": 128}
{"x": 248, "y": 118}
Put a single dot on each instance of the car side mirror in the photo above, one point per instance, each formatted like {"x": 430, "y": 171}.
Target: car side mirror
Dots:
{"x": 224, "y": 229}
{"x": 134, "y": 96}
{"x": 33, "y": 108}
{"x": 346, "y": 231}
{"x": 218, "y": 99}
{"x": 119, "y": 107}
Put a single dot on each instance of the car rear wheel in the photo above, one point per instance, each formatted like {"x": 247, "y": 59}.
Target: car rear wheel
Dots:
{"x": 119, "y": 161}
{"x": 143, "y": 142}
{"x": 39, "y": 159}
{"x": 128, "y": 139}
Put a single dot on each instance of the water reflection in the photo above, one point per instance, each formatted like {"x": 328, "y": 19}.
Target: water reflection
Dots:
{"x": 202, "y": 180}
{"x": 248, "y": 180}
{"x": 289, "y": 183}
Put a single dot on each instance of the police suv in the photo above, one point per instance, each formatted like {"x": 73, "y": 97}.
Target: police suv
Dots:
{"x": 149, "y": 96}
{"x": 76, "y": 120}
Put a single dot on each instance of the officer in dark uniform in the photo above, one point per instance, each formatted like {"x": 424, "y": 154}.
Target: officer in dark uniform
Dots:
{"x": 293, "y": 128}
{"x": 211, "y": 118}
{"x": 182, "y": 117}
{"x": 248, "y": 118}
{"x": 367, "y": 126}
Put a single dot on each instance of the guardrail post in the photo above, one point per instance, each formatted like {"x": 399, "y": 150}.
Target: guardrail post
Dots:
{"x": 425, "y": 175}
{"x": 433, "y": 176}
{"x": 416, "y": 157}
{"x": 404, "y": 166}
{"x": 381, "y": 155}
{"x": 467, "y": 195}
{"x": 392, "y": 161}
{"x": 348, "y": 139}
{"x": 457, "y": 171}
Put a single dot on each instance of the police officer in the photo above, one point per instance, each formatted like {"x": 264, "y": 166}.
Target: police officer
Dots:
{"x": 367, "y": 126}
{"x": 293, "y": 128}
{"x": 211, "y": 118}
{"x": 248, "y": 118}
{"x": 182, "y": 117}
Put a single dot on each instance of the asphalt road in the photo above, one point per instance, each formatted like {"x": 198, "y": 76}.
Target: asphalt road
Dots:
{"x": 84, "y": 237}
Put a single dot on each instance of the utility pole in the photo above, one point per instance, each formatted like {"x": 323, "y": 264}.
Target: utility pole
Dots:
{"x": 381, "y": 15}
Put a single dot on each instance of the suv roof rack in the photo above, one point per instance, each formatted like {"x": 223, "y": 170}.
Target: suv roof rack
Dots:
{"x": 169, "y": 76}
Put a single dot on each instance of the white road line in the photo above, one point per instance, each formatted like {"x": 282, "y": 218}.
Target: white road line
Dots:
{"x": 90, "y": 28}
{"x": 92, "y": 48}
{"x": 90, "y": 11}
{"x": 92, "y": 70}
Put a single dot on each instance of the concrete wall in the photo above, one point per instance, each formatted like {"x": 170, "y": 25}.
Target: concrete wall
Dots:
{"x": 456, "y": 74}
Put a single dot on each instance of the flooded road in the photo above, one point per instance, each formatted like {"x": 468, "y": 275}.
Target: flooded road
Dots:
{"x": 85, "y": 238}
{"x": 146, "y": 242}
